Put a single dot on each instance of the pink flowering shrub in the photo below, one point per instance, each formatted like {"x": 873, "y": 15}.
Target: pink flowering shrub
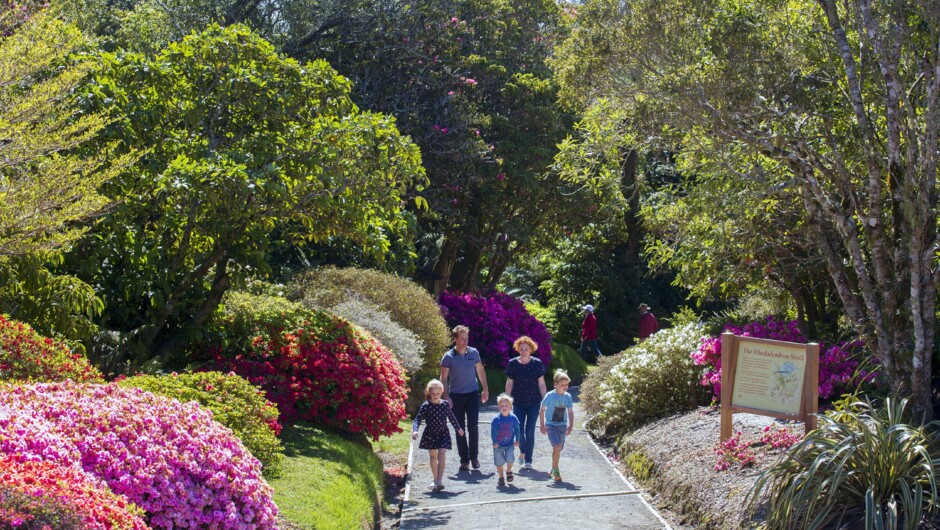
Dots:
{"x": 734, "y": 452}
{"x": 52, "y": 488}
{"x": 171, "y": 459}
{"x": 234, "y": 402}
{"x": 325, "y": 370}
{"x": 495, "y": 320}
{"x": 837, "y": 362}
{"x": 26, "y": 355}
{"x": 740, "y": 452}
{"x": 779, "y": 438}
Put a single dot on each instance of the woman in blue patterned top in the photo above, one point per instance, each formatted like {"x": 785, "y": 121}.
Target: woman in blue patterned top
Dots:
{"x": 525, "y": 382}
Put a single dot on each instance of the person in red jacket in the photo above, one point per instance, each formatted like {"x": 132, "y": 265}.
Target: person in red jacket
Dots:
{"x": 589, "y": 334}
{"x": 648, "y": 323}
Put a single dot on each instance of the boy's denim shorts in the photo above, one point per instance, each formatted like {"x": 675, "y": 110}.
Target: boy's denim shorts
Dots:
{"x": 556, "y": 434}
{"x": 503, "y": 455}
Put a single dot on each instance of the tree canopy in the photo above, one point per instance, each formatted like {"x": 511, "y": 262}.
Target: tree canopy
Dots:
{"x": 237, "y": 141}
{"x": 836, "y": 102}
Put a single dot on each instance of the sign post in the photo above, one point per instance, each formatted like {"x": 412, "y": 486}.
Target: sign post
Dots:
{"x": 768, "y": 377}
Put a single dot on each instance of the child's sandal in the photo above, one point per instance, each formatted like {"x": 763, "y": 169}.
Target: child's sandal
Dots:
{"x": 501, "y": 482}
{"x": 509, "y": 476}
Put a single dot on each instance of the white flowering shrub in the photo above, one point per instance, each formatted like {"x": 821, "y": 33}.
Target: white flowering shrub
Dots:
{"x": 405, "y": 345}
{"x": 651, "y": 380}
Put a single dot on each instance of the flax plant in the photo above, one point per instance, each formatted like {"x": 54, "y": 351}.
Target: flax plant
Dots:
{"x": 863, "y": 464}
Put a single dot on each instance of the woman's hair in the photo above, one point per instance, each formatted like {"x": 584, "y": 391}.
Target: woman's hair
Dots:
{"x": 458, "y": 329}
{"x": 433, "y": 383}
{"x": 561, "y": 375}
{"x": 504, "y": 397}
{"x": 525, "y": 340}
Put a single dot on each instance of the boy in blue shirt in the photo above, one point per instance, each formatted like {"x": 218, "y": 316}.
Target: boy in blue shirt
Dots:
{"x": 505, "y": 433}
{"x": 560, "y": 408}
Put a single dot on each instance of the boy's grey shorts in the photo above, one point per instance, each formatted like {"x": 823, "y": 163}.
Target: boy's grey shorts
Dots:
{"x": 503, "y": 455}
{"x": 556, "y": 434}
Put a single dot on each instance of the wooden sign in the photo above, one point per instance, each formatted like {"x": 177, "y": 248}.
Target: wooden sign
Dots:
{"x": 768, "y": 377}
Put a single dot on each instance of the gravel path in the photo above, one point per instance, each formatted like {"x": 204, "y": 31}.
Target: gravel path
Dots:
{"x": 593, "y": 494}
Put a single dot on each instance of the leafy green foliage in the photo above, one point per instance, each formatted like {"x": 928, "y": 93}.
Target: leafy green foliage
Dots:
{"x": 244, "y": 315}
{"x": 569, "y": 360}
{"x": 48, "y": 188}
{"x": 865, "y": 464}
{"x": 234, "y": 402}
{"x": 57, "y": 305}
{"x": 650, "y": 380}
{"x": 239, "y": 141}
{"x": 809, "y": 135}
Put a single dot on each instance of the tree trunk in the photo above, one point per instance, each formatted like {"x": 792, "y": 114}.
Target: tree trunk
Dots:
{"x": 444, "y": 266}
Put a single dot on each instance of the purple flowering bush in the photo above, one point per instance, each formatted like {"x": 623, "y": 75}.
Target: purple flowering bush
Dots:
{"x": 837, "y": 362}
{"x": 169, "y": 458}
{"x": 495, "y": 320}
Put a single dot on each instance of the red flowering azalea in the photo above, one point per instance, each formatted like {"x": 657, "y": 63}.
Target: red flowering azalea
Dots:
{"x": 28, "y": 356}
{"x": 326, "y": 371}
{"x": 80, "y": 495}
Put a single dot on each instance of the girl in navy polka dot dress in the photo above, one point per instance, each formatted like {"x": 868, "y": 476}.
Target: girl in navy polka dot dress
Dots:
{"x": 436, "y": 437}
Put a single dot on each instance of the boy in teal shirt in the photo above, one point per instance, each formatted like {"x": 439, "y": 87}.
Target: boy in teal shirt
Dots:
{"x": 560, "y": 408}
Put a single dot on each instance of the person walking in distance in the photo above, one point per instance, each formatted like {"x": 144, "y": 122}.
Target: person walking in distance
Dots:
{"x": 648, "y": 323}
{"x": 589, "y": 334}
{"x": 461, "y": 367}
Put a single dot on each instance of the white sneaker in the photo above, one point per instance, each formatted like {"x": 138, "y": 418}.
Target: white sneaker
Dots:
{"x": 528, "y": 465}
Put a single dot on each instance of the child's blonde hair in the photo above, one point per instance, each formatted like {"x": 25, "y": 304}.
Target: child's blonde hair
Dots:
{"x": 504, "y": 397}
{"x": 561, "y": 375}
{"x": 433, "y": 383}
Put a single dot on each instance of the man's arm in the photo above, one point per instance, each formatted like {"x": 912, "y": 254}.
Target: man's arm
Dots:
{"x": 481, "y": 374}
{"x": 446, "y": 395}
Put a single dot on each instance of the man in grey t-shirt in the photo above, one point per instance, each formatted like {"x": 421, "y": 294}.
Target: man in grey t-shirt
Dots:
{"x": 460, "y": 369}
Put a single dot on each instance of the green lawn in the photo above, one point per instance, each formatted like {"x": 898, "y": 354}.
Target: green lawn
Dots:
{"x": 329, "y": 480}
{"x": 397, "y": 444}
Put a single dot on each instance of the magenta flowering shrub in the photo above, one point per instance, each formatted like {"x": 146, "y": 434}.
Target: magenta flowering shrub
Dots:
{"x": 169, "y": 458}
{"x": 495, "y": 320}
{"x": 837, "y": 362}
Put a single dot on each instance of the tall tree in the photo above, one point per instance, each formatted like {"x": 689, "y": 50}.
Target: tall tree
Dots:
{"x": 48, "y": 188}
{"x": 466, "y": 79}
{"x": 49, "y": 180}
{"x": 844, "y": 95}
{"x": 239, "y": 141}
